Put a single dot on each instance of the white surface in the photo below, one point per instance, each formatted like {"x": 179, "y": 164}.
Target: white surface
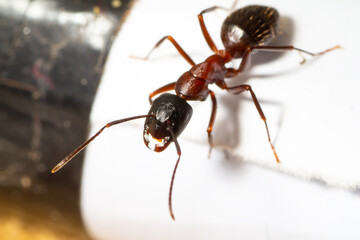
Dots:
{"x": 221, "y": 198}
{"x": 312, "y": 111}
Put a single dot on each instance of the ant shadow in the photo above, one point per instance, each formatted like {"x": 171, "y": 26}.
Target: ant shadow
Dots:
{"x": 228, "y": 132}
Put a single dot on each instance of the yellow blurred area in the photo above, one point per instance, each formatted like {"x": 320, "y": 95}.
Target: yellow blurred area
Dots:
{"x": 28, "y": 217}
{"x": 14, "y": 227}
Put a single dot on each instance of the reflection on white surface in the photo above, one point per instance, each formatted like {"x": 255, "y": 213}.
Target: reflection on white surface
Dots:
{"x": 314, "y": 122}
{"x": 92, "y": 24}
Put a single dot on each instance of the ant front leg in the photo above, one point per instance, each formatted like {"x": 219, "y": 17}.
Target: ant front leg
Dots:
{"x": 246, "y": 58}
{"x": 176, "y": 45}
{"x": 239, "y": 89}
{"x": 166, "y": 88}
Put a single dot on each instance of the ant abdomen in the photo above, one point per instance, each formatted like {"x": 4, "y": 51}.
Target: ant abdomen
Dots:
{"x": 253, "y": 25}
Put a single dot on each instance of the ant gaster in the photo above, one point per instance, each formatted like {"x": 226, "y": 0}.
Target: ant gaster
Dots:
{"x": 244, "y": 31}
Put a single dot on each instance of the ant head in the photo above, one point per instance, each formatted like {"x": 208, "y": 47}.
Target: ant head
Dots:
{"x": 172, "y": 113}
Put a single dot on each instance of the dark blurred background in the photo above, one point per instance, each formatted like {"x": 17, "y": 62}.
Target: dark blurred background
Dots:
{"x": 52, "y": 55}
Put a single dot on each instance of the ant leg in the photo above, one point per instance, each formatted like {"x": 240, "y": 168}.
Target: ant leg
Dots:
{"x": 166, "y": 88}
{"x": 176, "y": 45}
{"x": 212, "y": 120}
{"x": 233, "y": 6}
{"x": 204, "y": 30}
{"x": 244, "y": 62}
{"x": 240, "y": 88}
{"x": 288, "y": 48}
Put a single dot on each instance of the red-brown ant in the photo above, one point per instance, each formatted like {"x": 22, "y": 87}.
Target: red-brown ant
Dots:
{"x": 244, "y": 31}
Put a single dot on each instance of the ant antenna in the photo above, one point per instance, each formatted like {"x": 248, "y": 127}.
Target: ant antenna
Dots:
{"x": 173, "y": 175}
{"x": 82, "y": 146}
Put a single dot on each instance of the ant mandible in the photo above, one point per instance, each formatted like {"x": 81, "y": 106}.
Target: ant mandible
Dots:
{"x": 244, "y": 32}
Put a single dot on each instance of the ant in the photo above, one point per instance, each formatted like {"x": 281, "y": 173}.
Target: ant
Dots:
{"x": 244, "y": 32}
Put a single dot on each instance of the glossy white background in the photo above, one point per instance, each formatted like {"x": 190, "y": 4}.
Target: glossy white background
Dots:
{"x": 313, "y": 116}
